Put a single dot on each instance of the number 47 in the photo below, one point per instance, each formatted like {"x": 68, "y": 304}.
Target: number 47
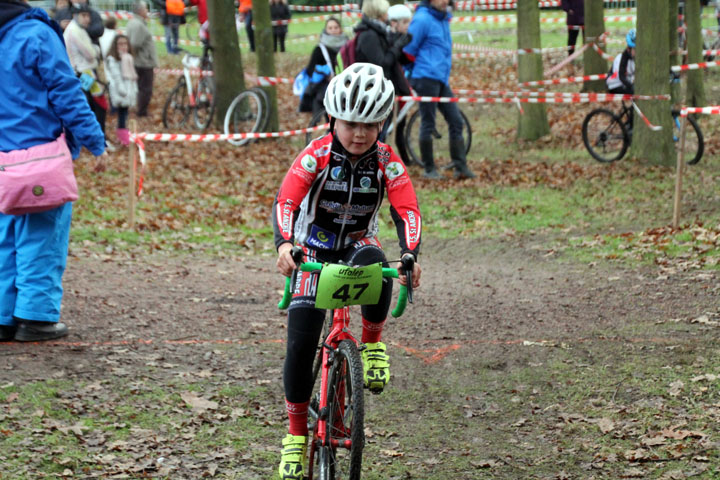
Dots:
{"x": 343, "y": 293}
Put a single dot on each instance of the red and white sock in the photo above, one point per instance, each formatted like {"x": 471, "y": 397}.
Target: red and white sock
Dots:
{"x": 372, "y": 332}
{"x": 298, "y": 415}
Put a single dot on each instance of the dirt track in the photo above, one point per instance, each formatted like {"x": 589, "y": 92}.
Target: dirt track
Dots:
{"x": 478, "y": 302}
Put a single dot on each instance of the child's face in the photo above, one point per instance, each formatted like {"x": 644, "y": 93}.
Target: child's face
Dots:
{"x": 400, "y": 26}
{"x": 122, "y": 46}
{"x": 83, "y": 19}
{"x": 356, "y": 137}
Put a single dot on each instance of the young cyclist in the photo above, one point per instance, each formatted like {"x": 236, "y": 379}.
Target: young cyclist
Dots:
{"x": 328, "y": 204}
{"x": 622, "y": 75}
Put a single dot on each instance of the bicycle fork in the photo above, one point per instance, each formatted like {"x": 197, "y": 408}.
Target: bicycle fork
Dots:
{"x": 190, "y": 89}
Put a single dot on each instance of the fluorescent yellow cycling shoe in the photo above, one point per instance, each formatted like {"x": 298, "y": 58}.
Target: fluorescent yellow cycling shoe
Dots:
{"x": 376, "y": 366}
{"x": 293, "y": 457}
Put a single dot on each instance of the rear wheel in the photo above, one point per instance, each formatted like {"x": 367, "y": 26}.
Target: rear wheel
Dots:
{"x": 205, "y": 102}
{"x": 342, "y": 458}
{"x": 244, "y": 115}
{"x": 694, "y": 142}
{"x": 441, "y": 136}
{"x": 176, "y": 111}
{"x": 318, "y": 118}
{"x": 605, "y": 136}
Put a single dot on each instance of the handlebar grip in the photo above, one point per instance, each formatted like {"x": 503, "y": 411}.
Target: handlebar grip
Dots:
{"x": 287, "y": 295}
{"x": 401, "y": 303}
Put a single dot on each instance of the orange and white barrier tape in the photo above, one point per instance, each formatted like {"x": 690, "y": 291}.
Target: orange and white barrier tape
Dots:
{"x": 324, "y": 8}
{"x": 525, "y": 51}
{"x": 695, "y": 66}
{"x": 715, "y": 110}
{"x": 590, "y": 98}
{"x": 561, "y": 81}
{"x": 195, "y": 72}
{"x": 268, "y": 81}
{"x": 119, "y": 14}
{"x": 513, "y": 19}
{"x": 652, "y": 127}
{"x": 316, "y": 18}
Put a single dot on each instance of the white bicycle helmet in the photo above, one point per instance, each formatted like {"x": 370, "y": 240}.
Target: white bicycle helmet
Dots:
{"x": 361, "y": 93}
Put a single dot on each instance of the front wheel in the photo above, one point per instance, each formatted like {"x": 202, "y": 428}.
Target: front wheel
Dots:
{"x": 177, "y": 106}
{"x": 441, "y": 136}
{"x": 342, "y": 458}
{"x": 694, "y": 143}
{"x": 605, "y": 136}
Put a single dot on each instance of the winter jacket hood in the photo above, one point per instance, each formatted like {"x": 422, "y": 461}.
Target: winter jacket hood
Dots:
{"x": 41, "y": 94}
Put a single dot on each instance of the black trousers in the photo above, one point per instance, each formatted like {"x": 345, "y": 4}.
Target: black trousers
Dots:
{"x": 145, "y": 89}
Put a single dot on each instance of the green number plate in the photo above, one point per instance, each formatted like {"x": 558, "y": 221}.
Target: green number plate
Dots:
{"x": 340, "y": 285}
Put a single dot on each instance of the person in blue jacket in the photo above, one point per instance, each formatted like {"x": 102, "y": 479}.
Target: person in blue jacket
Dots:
{"x": 40, "y": 97}
{"x": 431, "y": 52}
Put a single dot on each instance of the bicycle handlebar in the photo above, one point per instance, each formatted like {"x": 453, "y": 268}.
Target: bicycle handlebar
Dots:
{"x": 404, "y": 295}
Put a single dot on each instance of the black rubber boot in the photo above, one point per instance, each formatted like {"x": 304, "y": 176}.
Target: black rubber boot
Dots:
{"x": 426, "y": 155}
{"x": 457, "y": 154}
{"x": 31, "y": 331}
{"x": 7, "y": 333}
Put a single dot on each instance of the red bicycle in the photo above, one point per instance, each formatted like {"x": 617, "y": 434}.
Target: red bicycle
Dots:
{"x": 336, "y": 409}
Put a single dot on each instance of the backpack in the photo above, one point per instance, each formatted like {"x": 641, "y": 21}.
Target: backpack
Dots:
{"x": 347, "y": 52}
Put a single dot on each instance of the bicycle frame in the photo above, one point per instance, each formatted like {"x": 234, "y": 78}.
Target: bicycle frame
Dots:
{"x": 339, "y": 331}
{"x": 404, "y": 111}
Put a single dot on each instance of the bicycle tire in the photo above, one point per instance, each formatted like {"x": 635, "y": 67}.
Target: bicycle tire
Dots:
{"x": 694, "y": 141}
{"x": 342, "y": 458}
{"x": 605, "y": 136}
{"x": 204, "y": 103}
{"x": 318, "y": 118}
{"x": 441, "y": 143}
{"x": 176, "y": 109}
{"x": 266, "y": 106}
{"x": 244, "y": 116}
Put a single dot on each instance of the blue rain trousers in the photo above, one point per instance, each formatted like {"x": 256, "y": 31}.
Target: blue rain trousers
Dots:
{"x": 33, "y": 255}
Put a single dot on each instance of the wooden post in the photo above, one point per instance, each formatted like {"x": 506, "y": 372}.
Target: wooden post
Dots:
{"x": 131, "y": 181}
{"x": 679, "y": 174}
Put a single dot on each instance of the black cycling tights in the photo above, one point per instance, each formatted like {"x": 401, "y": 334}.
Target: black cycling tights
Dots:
{"x": 305, "y": 325}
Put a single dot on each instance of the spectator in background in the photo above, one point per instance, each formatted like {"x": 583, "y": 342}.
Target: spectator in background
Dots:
{"x": 61, "y": 13}
{"x": 145, "y": 57}
{"x": 322, "y": 66}
{"x": 84, "y": 55}
{"x": 41, "y": 98}
{"x": 245, "y": 10}
{"x": 122, "y": 78}
{"x": 95, "y": 28}
{"x": 108, "y": 36}
{"x": 575, "y": 21}
{"x": 431, "y": 51}
{"x": 279, "y": 10}
{"x": 399, "y": 17}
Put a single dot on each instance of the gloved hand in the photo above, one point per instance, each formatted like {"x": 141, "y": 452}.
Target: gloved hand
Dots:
{"x": 402, "y": 41}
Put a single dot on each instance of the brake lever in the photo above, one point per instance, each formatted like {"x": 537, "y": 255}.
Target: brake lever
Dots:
{"x": 408, "y": 262}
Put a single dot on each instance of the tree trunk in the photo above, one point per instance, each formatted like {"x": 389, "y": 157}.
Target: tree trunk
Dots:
{"x": 651, "y": 78}
{"x": 532, "y": 124}
{"x": 227, "y": 61}
{"x": 265, "y": 56}
{"x": 675, "y": 46}
{"x": 592, "y": 61}
{"x": 695, "y": 95}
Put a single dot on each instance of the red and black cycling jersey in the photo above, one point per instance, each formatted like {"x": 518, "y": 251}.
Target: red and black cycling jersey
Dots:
{"x": 327, "y": 201}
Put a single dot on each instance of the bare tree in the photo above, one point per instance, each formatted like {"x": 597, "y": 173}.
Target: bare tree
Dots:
{"x": 592, "y": 61}
{"x": 652, "y": 78}
{"x": 695, "y": 95}
{"x": 533, "y": 123}
{"x": 265, "y": 56}
{"x": 227, "y": 65}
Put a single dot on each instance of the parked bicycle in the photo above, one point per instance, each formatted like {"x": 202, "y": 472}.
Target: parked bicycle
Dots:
{"x": 337, "y": 404}
{"x": 187, "y": 98}
{"x": 607, "y": 135}
{"x": 412, "y": 131}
